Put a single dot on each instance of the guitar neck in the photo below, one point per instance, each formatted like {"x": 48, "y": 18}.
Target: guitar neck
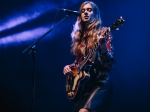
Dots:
{"x": 88, "y": 56}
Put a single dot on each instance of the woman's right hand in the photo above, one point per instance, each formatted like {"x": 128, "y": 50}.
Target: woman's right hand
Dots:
{"x": 67, "y": 70}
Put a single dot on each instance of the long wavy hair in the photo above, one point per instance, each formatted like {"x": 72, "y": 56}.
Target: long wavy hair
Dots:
{"x": 92, "y": 29}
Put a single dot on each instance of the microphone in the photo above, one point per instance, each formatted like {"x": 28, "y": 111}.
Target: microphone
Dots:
{"x": 76, "y": 13}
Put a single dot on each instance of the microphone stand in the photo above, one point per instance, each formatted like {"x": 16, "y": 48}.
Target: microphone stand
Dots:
{"x": 32, "y": 48}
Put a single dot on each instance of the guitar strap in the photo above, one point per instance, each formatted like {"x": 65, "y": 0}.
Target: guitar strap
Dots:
{"x": 96, "y": 55}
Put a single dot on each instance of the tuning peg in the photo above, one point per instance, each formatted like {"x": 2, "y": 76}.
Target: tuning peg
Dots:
{"x": 121, "y": 18}
{"x": 117, "y": 28}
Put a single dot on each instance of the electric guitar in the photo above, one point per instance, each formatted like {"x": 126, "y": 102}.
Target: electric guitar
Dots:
{"x": 81, "y": 72}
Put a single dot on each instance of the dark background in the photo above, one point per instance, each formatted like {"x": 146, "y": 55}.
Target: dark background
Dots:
{"x": 131, "y": 73}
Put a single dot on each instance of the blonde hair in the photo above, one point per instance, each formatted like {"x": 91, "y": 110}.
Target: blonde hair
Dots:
{"x": 92, "y": 30}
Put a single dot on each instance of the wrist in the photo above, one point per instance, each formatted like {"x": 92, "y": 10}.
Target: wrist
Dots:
{"x": 103, "y": 48}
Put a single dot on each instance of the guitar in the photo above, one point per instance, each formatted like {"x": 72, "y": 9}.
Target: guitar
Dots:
{"x": 81, "y": 72}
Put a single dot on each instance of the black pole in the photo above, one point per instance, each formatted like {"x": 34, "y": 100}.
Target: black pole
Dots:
{"x": 33, "y": 51}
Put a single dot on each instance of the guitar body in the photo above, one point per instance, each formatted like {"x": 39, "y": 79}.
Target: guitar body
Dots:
{"x": 73, "y": 81}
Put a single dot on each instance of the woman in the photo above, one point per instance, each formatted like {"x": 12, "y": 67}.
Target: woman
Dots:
{"x": 97, "y": 91}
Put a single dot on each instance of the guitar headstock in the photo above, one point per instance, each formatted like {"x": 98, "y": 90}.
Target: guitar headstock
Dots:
{"x": 117, "y": 23}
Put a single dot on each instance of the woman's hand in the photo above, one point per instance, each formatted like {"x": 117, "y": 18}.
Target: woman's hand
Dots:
{"x": 102, "y": 40}
{"x": 67, "y": 70}
{"x": 102, "y": 33}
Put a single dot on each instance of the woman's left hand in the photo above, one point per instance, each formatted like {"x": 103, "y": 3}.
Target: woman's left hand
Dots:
{"x": 101, "y": 35}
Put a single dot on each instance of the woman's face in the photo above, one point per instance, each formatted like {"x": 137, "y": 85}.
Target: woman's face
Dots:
{"x": 87, "y": 13}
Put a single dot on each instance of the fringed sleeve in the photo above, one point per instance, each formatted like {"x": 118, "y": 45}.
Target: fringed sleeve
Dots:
{"x": 106, "y": 53}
